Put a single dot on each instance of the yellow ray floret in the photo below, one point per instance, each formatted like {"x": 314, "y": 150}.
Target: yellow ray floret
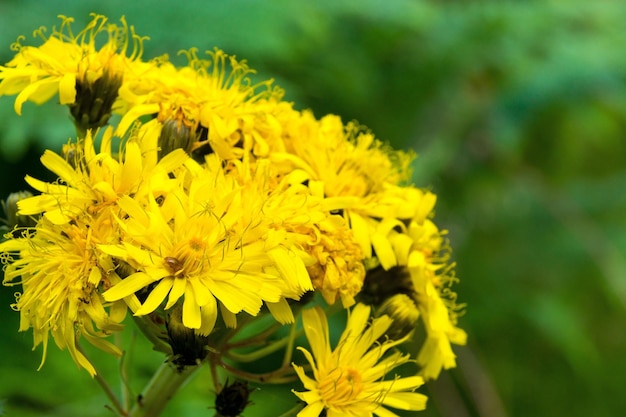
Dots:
{"x": 349, "y": 380}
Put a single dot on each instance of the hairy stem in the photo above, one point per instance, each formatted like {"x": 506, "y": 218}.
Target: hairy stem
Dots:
{"x": 161, "y": 389}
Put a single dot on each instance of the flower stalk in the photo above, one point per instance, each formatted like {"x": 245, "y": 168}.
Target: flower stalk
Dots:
{"x": 166, "y": 381}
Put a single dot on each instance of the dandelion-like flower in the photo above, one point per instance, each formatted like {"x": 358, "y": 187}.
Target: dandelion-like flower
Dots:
{"x": 61, "y": 273}
{"x": 92, "y": 182}
{"x": 339, "y": 271}
{"x": 349, "y": 379}
{"x": 333, "y": 257}
{"x": 214, "y": 98}
{"x": 358, "y": 175}
{"x": 62, "y": 270}
{"x": 207, "y": 241}
{"x": 85, "y": 76}
{"x": 432, "y": 276}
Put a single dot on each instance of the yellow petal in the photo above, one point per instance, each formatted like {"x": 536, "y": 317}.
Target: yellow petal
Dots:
{"x": 156, "y": 297}
{"x": 67, "y": 89}
{"x": 192, "y": 318}
{"x": 281, "y": 311}
{"x": 128, "y": 286}
{"x": 133, "y": 114}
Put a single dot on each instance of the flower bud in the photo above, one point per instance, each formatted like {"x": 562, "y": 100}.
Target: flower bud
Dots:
{"x": 232, "y": 399}
{"x": 402, "y": 309}
{"x": 380, "y": 284}
{"x": 174, "y": 135}
{"x": 188, "y": 347}
{"x": 12, "y": 218}
{"x": 94, "y": 101}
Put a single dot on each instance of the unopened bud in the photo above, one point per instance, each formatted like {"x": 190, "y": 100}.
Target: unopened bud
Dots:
{"x": 175, "y": 135}
{"x": 188, "y": 347}
{"x": 232, "y": 399}
{"x": 12, "y": 217}
{"x": 94, "y": 101}
{"x": 404, "y": 313}
{"x": 380, "y": 284}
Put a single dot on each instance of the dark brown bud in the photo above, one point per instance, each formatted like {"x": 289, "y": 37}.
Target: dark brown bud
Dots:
{"x": 380, "y": 284}
{"x": 232, "y": 399}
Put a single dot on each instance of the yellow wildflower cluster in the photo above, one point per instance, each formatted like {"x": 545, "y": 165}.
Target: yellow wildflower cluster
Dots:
{"x": 214, "y": 198}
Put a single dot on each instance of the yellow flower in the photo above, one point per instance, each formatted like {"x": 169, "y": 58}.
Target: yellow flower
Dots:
{"x": 349, "y": 379}
{"x": 334, "y": 259}
{"x": 339, "y": 271}
{"x": 207, "y": 241}
{"x": 346, "y": 158}
{"x": 425, "y": 274}
{"x": 432, "y": 276}
{"x": 86, "y": 77}
{"x": 61, "y": 273}
{"x": 359, "y": 176}
{"x": 214, "y": 98}
{"x": 91, "y": 182}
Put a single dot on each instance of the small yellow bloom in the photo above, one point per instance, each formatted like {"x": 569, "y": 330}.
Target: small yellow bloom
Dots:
{"x": 349, "y": 379}
{"x": 214, "y": 98}
{"x": 91, "y": 182}
{"x": 432, "y": 277}
{"x": 333, "y": 258}
{"x": 425, "y": 274}
{"x": 85, "y": 76}
{"x": 359, "y": 176}
{"x": 208, "y": 244}
{"x": 61, "y": 272}
{"x": 339, "y": 271}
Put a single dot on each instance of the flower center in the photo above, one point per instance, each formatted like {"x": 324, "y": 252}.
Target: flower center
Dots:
{"x": 188, "y": 257}
{"x": 196, "y": 244}
{"x": 340, "y": 386}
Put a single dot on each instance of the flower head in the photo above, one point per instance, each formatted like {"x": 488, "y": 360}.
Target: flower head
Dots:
{"x": 58, "y": 261}
{"x": 214, "y": 98}
{"x": 207, "y": 241}
{"x": 86, "y": 76}
{"x": 432, "y": 277}
{"x": 360, "y": 177}
{"x": 92, "y": 182}
{"x": 349, "y": 379}
{"x": 61, "y": 273}
{"x": 333, "y": 258}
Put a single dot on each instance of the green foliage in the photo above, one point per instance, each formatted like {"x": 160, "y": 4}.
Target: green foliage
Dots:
{"x": 518, "y": 112}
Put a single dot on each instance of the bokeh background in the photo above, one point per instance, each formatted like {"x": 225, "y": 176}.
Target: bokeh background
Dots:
{"x": 518, "y": 113}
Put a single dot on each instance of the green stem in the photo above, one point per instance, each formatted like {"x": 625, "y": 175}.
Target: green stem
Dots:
{"x": 278, "y": 376}
{"x": 289, "y": 350}
{"x": 292, "y": 412}
{"x": 259, "y": 353}
{"x": 160, "y": 390}
{"x": 123, "y": 368}
{"x": 257, "y": 338}
{"x": 105, "y": 386}
{"x": 152, "y": 332}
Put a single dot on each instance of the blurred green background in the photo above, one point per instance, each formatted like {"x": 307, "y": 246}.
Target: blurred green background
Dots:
{"x": 518, "y": 113}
